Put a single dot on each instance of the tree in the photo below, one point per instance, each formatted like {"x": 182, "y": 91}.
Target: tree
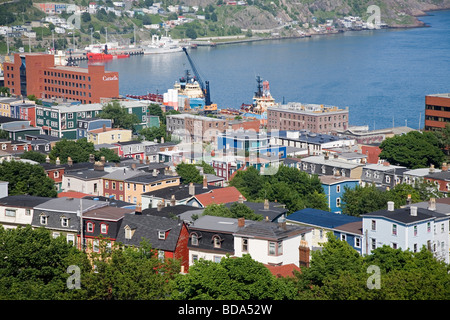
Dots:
{"x": 233, "y": 278}
{"x": 153, "y": 133}
{"x": 110, "y": 155}
{"x": 413, "y": 150}
{"x": 78, "y": 150}
{"x": 26, "y": 178}
{"x": 33, "y": 264}
{"x": 34, "y": 155}
{"x": 191, "y": 33}
{"x": 120, "y": 116}
{"x": 85, "y": 17}
{"x": 359, "y": 200}
{"x": 189, "y": 173}
{"x": 236, "y": 210}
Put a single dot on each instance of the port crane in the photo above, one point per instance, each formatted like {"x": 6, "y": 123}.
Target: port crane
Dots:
{"x": 209, "y": 106}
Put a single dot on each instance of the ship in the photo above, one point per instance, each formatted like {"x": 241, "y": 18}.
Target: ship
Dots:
{"x": 104, "y": 55}
{"x": 262, "y": 99}
{"x": 162, "y": 45}
{"x": 189, "y": 86}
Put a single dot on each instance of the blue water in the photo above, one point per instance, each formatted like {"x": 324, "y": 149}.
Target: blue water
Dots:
{"x": 382, "y": 75}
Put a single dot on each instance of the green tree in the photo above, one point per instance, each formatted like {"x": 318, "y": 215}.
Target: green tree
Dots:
{"x": 153, "y": 133}
{"x": 359, "y": 200}
{"x": 413, "y": 150}
{"x": 189, "y": 173}
{"x": 33, "y": 265}
{"x": 119, "y": 115}
{"x": 110, "y": 155}
{"x": 191, "y": 33}
{"x": 236, "y": 210}
{"x": 26, "y": 178}
{"x": 79, "y": 150}
{"x": 233, "y": 278}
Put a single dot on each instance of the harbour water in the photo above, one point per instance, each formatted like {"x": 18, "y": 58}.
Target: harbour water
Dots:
{"x": 381, "y": 75}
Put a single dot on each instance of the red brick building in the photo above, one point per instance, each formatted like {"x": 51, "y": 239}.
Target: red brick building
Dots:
{"x": 36, "y": 74}
{"x": 437, "y": 111}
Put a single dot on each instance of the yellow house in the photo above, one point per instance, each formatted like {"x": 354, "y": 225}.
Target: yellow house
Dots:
{"x": 139, "y": 184}
{"x": 109, "y": 135}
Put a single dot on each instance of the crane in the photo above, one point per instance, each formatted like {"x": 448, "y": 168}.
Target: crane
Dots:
{"x": 209, "y": 106}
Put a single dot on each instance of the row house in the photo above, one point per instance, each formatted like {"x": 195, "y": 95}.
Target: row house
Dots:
{"x": 382, "y": 175}
{"x": 63, "y": 120}
{"x": 87, "y": 181}
{"x": 62, "y": 216}
{"x": 331, "y": 165}
{"x": 334, "y": 188}
{"x": 109, "y": 135}
{"x": 17, "y": 211}
{"x": 409, "y": 228}
{"x": 102, "y": 224}
{"x": 440, "y": 178}
{"x": 167, "y": 236}
{"x": 131, "y": 149}
{"x": 152, "y": 151}
{"x": 86, "y": 125}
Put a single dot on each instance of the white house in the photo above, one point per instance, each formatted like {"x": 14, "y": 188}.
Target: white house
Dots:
{"x": 407, "y": 228}
{"x": 271, "y": 243}
{"x": 18, "y": 210}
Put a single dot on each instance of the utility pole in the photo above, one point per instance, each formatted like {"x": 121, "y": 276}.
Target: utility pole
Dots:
{"x": 91, "y": 35}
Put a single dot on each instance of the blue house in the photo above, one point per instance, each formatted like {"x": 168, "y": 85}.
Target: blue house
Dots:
{"x": 86, "y": 125}
{"x": 334, "y": 188}
{"x": 344, "y": 227}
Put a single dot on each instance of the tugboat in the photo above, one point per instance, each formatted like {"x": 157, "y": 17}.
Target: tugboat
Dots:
{"x": 261, "y": 100}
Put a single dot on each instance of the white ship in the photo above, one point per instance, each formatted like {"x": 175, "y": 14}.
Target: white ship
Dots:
{"x": 162, "y": 45}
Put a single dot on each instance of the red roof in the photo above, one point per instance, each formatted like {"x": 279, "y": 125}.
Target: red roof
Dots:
{"x": 73, "y": 194}
{"x": 219, "y": 196}
{"x": 286, "y": 270}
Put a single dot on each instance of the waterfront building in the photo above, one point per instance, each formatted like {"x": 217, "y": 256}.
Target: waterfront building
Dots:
{"x": 407, "y": 228}
{"x": 437, "y": 111}
{"x": 36, "y": 74}
{"x": 313, "y": 117}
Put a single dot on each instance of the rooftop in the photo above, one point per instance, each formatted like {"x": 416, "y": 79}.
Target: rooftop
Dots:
{"x": 405, "y": 216}
{"x": 26, "y": 201}
{"x": 222, "y": 224}
{"x": 270, "y": 230}
{"x": 107, "y": 213}
{"x": 219, "y": 196}
{"x": 312, "y": 109}
{"x": 320, "y": 218}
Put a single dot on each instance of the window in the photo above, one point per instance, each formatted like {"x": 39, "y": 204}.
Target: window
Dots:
{"x": 104, "y": 228}
{"x": 374, "y": 225}
{"x": 394, "y": 245}
{"x": 10, "y": 212}
{"x": 442, "y": 228}
{"x": 194, "y": 258}
{"x": 428, "y": 226}
{"x": 64, "y": 222}
{"x": 275, "y": 248}
{"x": 394, "y": 229}
{"x": 338, "y": 202}
{"x": 28, "y": 212}
{"x": 43, "y": 219}
{"x": 357, "y": 242}
{"x": 244, "y": 244}
{"x": 161, "y": 235}
{"x": 90, "y": 227}
{"x": 338, "y": 189}
{"x": 343, "y": 237}
{"x": 194, "y": 239}
{"x": 415, "y": 231}
{"x": 71, "y": 239}
{"x": 373, "y": 243}
{"x": 217, "y": 242}
{"x": 95, "y": 245}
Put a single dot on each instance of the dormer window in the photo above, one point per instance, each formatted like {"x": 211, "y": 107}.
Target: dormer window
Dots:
{"x": 129, "y": 232}
{"x": 161, "y": 235}
{"x": 104, "y": 228}
{"x": 90, "y": 227}
{"x": 64, "y": 222}
{"x": 43, "y": 219}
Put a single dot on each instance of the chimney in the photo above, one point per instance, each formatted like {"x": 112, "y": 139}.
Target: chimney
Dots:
{"x": 444, "y": 166}
{"x": 326, "y": 156}
{"x": 47, "y": 159}
{"x": 172, "y": 200}
{"x": 408, "y": 200}
{"x": 104, "y": 128}
{"x": 390, "y": 205}
{"x": 241, "y": 222}
{"x": 133, "y": 166}
{"x": 431, "y": 170}
{"x": 155, "y": 172}
{"x": 432, "y": 204}
{"x": 266, "y": 204}
{"x": 102, "y": 159}
{"x": 91, "y": 158}
{"x": 241, "y": 198}
{"x": 162, "y": 139}
{"x": 57, "y": 161}
{"x": 304, "y": 253}
{"x": 413, "y": 211}
{"x": 205, "y": 183}
{"x": 160, "y": 206}
{"x": 98, "y": 166}
{"x": 69, "y": 161}
{"x": 191, "y": 189}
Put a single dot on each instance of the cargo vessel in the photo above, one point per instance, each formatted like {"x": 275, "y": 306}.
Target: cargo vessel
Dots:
{"x": 99, "y": 56}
